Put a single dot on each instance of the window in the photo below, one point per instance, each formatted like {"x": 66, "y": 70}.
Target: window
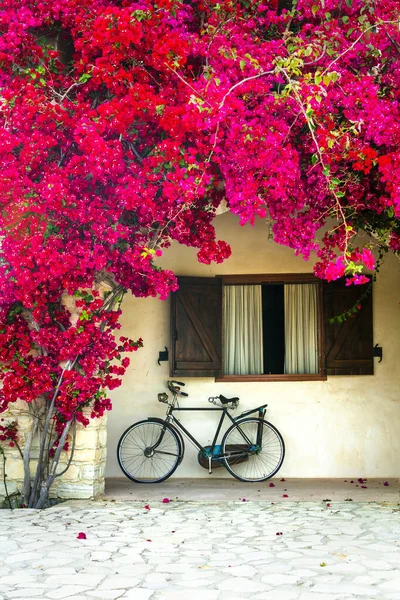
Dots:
{"x": 269, "y": 327}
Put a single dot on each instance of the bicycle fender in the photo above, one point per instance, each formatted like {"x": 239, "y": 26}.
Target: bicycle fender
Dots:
{"x": 178, "y": 433}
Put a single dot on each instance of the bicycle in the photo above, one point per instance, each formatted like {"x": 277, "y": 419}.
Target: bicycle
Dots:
{"x": 251, "y": 449}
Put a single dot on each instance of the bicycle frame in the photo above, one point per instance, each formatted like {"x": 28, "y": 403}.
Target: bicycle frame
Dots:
{"x": 170, "y": 417}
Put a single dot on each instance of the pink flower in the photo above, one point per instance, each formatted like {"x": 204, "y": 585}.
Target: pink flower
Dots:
{"x": 271, "y": 485}
{"x": 81, "y": 536}
{"x": 147, "y": 506}
{"x": 285, "y": 496}
{"x": 386, "y": 483}
{"x": 368, "y": 259}
{"x": 166, "y": 500}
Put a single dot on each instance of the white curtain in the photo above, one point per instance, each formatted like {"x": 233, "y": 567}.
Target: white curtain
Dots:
{"x": 301, "y": 334}
{"x": 243, "y": 335}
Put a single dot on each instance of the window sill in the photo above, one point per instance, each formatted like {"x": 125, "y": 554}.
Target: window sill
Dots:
{"x": 274, "y": 377}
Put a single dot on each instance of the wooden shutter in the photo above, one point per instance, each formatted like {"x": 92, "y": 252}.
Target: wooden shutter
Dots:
{"x": 196, "y": 327}
{"x": 348, "y": 346}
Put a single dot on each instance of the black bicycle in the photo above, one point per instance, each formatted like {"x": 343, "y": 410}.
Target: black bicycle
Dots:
{"x": 251, "y": 449}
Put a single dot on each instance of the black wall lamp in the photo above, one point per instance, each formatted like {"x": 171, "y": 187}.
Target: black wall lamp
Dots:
{"x": 163, "y": 356}
{"x": 378, "y": 351}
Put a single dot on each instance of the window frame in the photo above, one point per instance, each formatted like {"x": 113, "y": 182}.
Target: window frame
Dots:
{"x": 277, "y": 278}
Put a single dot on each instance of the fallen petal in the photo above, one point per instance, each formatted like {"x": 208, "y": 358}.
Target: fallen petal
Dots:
{"x": 271, "y": 485}
{"x": 81, "y": 536}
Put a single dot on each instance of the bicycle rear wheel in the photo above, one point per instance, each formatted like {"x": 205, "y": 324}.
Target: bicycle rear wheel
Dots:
{"x": 255, "y": 450}
{"x": 149, "y": 451}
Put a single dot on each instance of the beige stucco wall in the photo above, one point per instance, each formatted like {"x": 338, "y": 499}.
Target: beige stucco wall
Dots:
{"x": 345, "y": 426}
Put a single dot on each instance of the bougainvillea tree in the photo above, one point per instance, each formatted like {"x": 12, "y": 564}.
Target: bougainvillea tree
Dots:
{"x": 124, "y": 125}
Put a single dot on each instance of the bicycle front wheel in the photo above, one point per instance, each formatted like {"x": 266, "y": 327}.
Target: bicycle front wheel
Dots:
{"x": 149, "y": 451}
{"x": 254, "y": 450}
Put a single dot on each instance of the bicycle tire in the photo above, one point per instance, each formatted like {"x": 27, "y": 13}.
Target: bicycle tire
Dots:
{"x": 246, "y": 463}
{"x": 138, "y": 439}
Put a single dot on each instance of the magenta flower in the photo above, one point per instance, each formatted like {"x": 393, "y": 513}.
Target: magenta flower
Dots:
{"x": 81, "y": 536}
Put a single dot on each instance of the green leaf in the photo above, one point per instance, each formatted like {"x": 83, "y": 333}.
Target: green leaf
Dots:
{"x": 326, "y": 170}
{"x": 84, "y": 77}
{"x": 314, "y": 9}
{"x": 345, "y": 19}
{"x": 349, "y": 3}
{"x": 314, "y": 159}
{"x": 317, "y": 77}
{"x": 242, "y": 63}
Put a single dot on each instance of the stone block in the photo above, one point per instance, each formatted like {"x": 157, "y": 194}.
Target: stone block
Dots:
{"x": 91, "y": 472}
{"x": 74, "y": 472}
{"x": 75, "y": 491}
{"x": 14, "y": 468}
{"x": 103, "y": 437}
{"x": 86, "y": 455}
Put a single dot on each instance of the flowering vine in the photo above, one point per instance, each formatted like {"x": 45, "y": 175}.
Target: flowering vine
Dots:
{"x": 123, "y": 125}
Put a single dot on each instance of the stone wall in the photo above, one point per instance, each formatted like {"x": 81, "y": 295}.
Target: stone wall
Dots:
{"x": 85, "y": 476}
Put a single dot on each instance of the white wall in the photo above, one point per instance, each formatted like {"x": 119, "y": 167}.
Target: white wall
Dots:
{"x": 343, "y": 427}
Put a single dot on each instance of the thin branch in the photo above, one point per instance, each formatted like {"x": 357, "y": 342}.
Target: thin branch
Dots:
{"x": 72, "y": 451}
{"x": 244, "y": 81}
{"x": 356, "y": 42}
{"x": 175, "y": 72}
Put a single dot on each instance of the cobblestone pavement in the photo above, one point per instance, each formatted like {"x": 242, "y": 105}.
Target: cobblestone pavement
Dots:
{"x": 201, "y": 551}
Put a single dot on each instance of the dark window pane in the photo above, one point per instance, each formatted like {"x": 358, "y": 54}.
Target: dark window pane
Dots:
{"x": 273, "y": 328}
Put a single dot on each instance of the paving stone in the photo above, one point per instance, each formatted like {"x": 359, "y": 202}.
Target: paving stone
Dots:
{"x": 106, "y": 594}
{"x": 240, "y": 584}
{"x": 139, "y": 594}
{"x": 280, "y": 579}
{"x": 65, "y": 591}
{"x": 27, "y": 593}
{"x": 117, "y": 582}
{"x": 391, "y": 585}
{"x": 188, "y": 594}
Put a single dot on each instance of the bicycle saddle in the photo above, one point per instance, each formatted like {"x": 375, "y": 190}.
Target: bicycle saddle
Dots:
{"x": 224, "y": 400}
